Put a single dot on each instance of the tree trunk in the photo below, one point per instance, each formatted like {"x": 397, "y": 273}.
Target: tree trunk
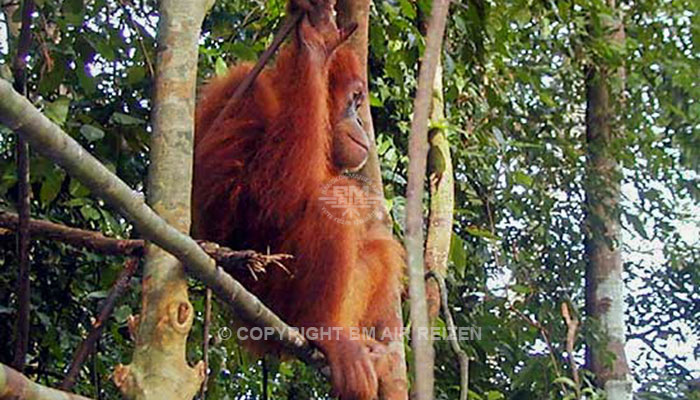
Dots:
{"x": 604, "y": 284}
{"x": 394, "y": 386}
{"x": 421, "y": 343}
{"x": 159, "y": 368}
{"x": 19, "y": 73}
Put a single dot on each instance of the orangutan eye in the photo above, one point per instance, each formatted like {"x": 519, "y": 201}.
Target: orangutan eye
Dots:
{"x": 357, "y": 98}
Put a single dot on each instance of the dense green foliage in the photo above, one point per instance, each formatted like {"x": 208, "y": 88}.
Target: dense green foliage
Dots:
{"x": 515, "y": 104}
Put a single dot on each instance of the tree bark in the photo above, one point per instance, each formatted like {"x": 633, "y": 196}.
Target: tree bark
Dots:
{"x": 441, "y": 186}
{"x": 423, "y": 354}
{"x": 159, "y": 368}
{"x": 604, "y": 284}
{"x": 15, "y": 386}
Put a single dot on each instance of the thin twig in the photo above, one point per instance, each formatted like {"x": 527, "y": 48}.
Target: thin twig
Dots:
{"x": 231, "y": 260}
{"x": 265, "y": 377}
{"x": 232, "y": 102}
{"x": 86, "y": 347}
{"x": 572, "y": 326}
{"x": 451, "y": 336}
{"x": 205, "y": 343}
{"x": 139, "y": 36}
{"x": 94, "y": 241}
{"x": 545, "y": 336}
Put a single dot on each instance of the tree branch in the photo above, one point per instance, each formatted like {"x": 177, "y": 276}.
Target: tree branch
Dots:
{"x": 15, "y": 386}
{"x": 226, "y": 258}
{"x": 571, "y": 329}
{"x": 205, "y": 343}
{"x": 86, "y": 347}
{"x": 94, "y": 241}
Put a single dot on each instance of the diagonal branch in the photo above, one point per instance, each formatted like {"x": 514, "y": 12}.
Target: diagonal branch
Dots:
{"x": 86, "y": 347}
{"x": 15, "y": 386}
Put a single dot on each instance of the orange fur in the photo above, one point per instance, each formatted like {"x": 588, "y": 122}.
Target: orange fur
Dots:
{"x": 258, "y": 179}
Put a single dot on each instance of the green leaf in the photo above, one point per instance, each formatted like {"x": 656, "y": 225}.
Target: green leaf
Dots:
{"x": 135, "y": 75}
{"x": 76, "y": 202}
{"x": 458, "y": 254}
{"x": 91, "y": 132}
{"x": 104, "y": 48}
{"x": 51, "y": 186}
{"x": 479, "y": 232}
{"x": 494, "y": 395}
{"x": 122, "y": 313}
{"x": 89, "y": 212}
{"x": 407, "y": 9}
{"x": 375, "y": 101}
{"x": 474, "y": 395}
{"x": 518, "y": 288}
{"x": 547, "y": 99}
{"x": 565, "y": 380}
{"x": 76, "y": 189}
{"x": 73, "y": 11}
{"x": 220, "y": 67}
{"x": 57, "y": 111}
{"x": 99, "y": 294}
{"x": 86, "y": 82}
{"x": 123, "y": 119}
{"x": 242, "y": 51}
{"x": 522, "y": 178}
{"x": 637, "y": 224}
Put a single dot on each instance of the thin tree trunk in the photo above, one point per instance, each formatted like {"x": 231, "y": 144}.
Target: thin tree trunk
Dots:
{"x": 423, "y": 355}
{"x": 19, "y": 72}
{"x": 441, "y": 186}
{"x": 393, "y": 386}
{"x": 604, "y": 284}
{"x": 357, "y": 11}
{"x": 159, "y": 368}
